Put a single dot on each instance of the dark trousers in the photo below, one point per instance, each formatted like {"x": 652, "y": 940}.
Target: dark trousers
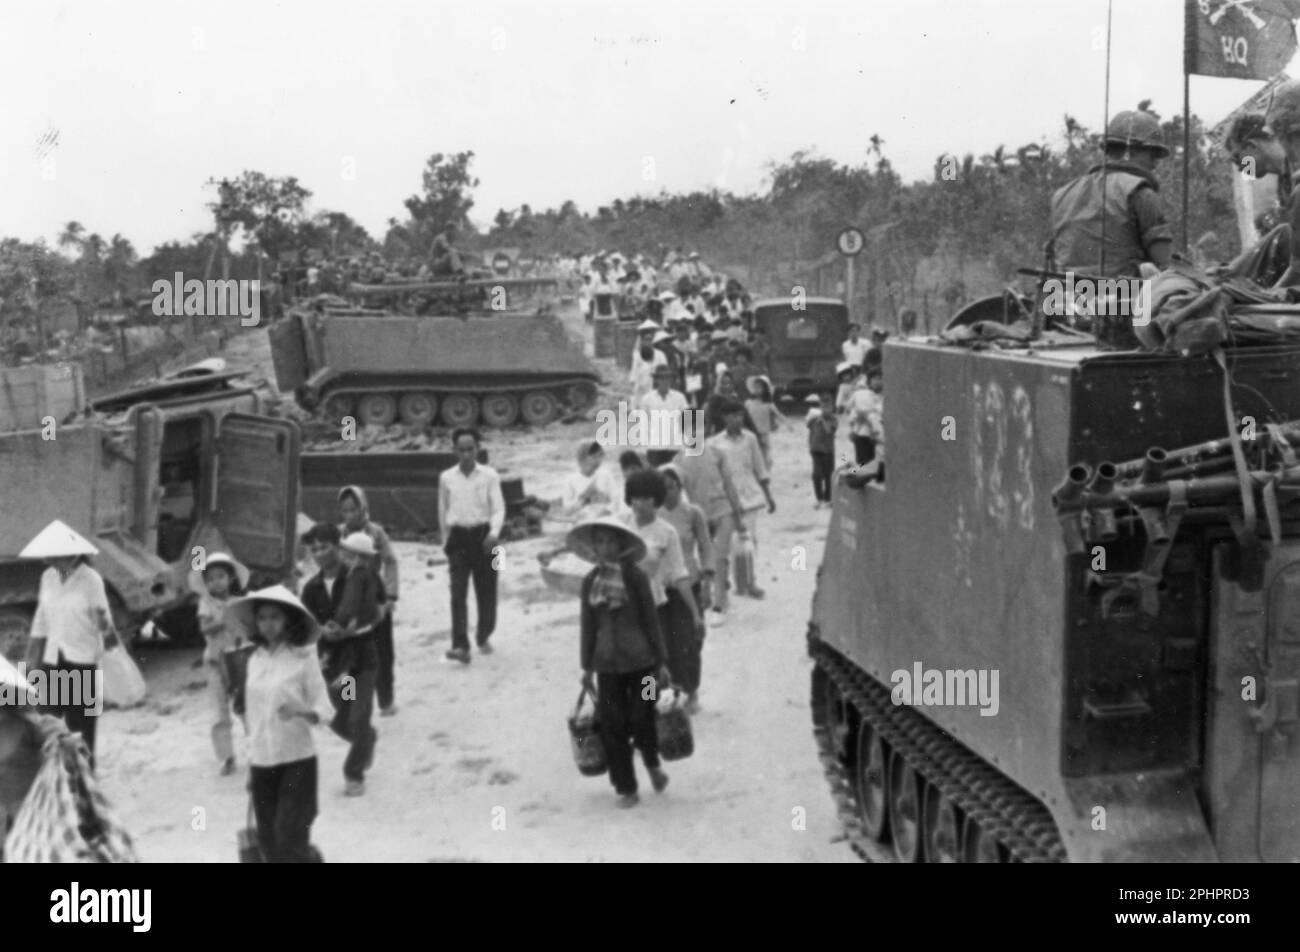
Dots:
{"x": 682, "y": 641}
{"x": 354, "y": 702}
{"x": 626, "y": 718}
{"x": 823, "y": 468}
{"x": 657, "y": 458}
{"x": 864, "y": 448}
{"x": 466, "y": 559}
{"x": 284, "y": 802}
{"x": 74, "y": 715}
{"x": 384, "y": 644}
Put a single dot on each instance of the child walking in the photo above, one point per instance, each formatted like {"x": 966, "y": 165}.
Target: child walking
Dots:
{"x": 284, "y": 697}
{"x": 821, "y": 425}
{"x": 223, "y": 579}
{"x": 622, "y": 651}
{"x": 685, "y": 638}
{"x": 764, "y": 413}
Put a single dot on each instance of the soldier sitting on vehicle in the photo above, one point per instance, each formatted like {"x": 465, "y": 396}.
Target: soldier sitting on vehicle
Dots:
{"x": 444, "y": 259}
{"x": 1108, "y": 221}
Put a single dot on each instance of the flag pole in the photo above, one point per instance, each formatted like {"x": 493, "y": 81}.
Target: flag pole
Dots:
{"x": 1105, "y": 122}
{"x": 1187, "y": 154}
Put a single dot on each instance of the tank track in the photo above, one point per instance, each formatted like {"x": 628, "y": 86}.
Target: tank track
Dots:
{"x": 1014, "y": 817}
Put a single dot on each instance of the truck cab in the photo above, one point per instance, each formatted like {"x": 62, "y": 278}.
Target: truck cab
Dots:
{"x": 803, "y": 341}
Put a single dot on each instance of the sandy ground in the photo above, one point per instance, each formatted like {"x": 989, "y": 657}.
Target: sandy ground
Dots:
{"x": 476, "y": 764}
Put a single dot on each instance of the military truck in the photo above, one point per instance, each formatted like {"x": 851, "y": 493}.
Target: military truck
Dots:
{"x": 1067, "y": 626}
{"x": 155, "y": 473}
{"x": 380, "y": 368}
{"x": 804, "y": 343}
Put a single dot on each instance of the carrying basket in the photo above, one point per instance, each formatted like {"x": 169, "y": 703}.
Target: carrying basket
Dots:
{"x": 673, "y": 725}
{"x": 584, "y": 737}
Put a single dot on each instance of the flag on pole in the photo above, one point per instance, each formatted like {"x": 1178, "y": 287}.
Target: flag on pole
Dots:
{"x": 1239, "y": 39}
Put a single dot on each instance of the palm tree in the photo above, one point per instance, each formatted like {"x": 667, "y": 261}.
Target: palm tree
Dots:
{"x": 70, "y": 237}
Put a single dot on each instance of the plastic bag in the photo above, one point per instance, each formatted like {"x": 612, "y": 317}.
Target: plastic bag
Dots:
{"x": 123, "y": 682}
{"x": 745, "y": 563}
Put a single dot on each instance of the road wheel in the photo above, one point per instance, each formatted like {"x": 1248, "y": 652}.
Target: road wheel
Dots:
{"x": 942, "y": 832}
{"x": 377, "y": 409}
{"x": 337, "y": 407}
{"x": 904, "y": 810}
{"x": 418, "y": 408}
{"x": 979, "y": 847}
{"x": 837, "y": 723}
{"x": 500, "y": 409}
{"x": 539, "y": 408}
{"x": 459, "y": 409}
{"x": 581, "y": 396}
{"x": 872, "y": 795}
{"x": 15, "y": 630}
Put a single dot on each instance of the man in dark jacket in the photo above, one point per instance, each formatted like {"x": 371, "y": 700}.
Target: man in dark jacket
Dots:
{"x": 623, "y": 651}
{"x": 349, "y": 657}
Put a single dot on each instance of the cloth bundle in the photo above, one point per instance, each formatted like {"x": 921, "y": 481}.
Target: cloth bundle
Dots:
{"x": 65, "y": 817}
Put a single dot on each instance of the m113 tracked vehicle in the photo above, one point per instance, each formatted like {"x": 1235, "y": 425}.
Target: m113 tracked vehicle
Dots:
{"x": 381, "y": 367}
{"x": 1068, "y": 625}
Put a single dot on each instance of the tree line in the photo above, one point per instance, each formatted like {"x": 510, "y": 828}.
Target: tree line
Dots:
{"x": 989, "y": 211}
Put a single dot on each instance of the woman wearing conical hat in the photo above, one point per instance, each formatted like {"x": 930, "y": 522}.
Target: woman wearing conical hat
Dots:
{"x": 621, "y": 649}
{"x": 284, "y": 697}
{"x": 73, "y": 625}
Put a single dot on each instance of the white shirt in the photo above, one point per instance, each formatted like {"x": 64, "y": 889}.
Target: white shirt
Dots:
{"x": 866, "y": 414}
{"x": 600, "y": 482}
{"x": 471, "y": 500}
{"x": 745, "y": 463}
{"x": 643, "y": 372}
{"x": 663, "y": 562}
{"x": 71, "y": 616}
{"x": 287, "y": 675}
{"x": 663, "y": 427}
{"x": 855, "y": 351}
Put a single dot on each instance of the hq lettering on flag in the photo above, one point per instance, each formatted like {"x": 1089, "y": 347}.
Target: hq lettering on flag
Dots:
{"x": 1239, "y": 39}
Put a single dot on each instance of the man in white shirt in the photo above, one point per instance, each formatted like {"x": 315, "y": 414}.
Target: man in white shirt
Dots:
{"x": 664, "y": 419}
{"x": 642, "y": 372}
{"x": 744, "y": 457}
{"x": 855, "y": 348}
{"x": 471, "y": 512}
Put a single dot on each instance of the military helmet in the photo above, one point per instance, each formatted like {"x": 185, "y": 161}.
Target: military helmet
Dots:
{"x": 1137, "y": 129}
{"x": 1284, "y": 109}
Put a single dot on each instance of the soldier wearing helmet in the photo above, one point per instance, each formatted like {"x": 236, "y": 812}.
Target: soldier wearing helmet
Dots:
{"x": 1122, "y": 193}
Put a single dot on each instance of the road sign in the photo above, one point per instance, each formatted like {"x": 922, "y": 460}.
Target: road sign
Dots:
{"x": 850, "y": 242}
{"x": 501, "y": 263}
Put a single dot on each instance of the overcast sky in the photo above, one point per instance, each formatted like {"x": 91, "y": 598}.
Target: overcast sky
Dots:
{"x": 563, "y": 99}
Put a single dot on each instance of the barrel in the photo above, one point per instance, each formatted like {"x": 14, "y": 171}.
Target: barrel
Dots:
{"x": 606, "y": 334}
{"x": 625, "y": 340}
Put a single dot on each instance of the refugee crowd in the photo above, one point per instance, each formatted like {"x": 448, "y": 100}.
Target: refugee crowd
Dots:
{"x": 666, "y": 547}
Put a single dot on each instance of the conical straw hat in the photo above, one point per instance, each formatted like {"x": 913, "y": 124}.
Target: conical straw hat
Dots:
{"x": 56, "y": 541}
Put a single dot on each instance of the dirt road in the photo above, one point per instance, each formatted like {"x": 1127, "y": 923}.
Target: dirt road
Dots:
{"x": 476, "y": 764}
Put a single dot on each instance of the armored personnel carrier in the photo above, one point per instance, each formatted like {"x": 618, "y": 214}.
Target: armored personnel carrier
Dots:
{"x": 149, "y": 476}
{"x": 381, "y": 366}
{"x": 1067, "y": 626}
